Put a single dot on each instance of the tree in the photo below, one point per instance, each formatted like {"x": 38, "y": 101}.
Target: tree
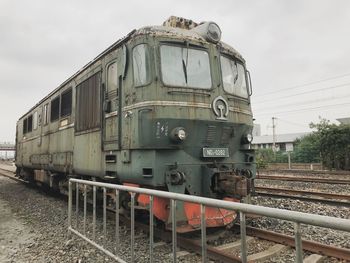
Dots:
{"x": 334, "y": 144}
{"x": 307, "y": 149}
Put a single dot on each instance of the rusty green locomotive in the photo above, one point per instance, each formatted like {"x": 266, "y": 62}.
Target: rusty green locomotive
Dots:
{"x": 166, "y": 107}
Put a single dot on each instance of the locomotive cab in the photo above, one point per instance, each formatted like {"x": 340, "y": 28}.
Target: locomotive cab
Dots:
{"x": 187, "y": 121}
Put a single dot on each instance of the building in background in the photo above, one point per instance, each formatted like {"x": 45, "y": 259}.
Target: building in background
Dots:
{"x": 284, "y": 142}
{"x": 256, "y": 130}
{"x": 344, "y": 120}
{"x": 7, "y": 150}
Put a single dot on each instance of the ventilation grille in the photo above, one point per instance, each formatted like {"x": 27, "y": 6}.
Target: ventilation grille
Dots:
{"x": 211, "y": 133}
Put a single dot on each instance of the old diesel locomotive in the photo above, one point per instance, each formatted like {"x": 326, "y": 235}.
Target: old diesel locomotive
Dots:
{"x": 166, "y": 107}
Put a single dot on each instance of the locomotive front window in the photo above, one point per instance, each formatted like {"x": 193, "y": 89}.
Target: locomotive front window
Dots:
{"x": 233, "y": 77}
{"x": 141, "y": 66}
{"x": 185, "y": 67}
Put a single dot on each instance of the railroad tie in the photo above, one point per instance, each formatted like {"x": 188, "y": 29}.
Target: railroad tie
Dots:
{"x": 233, "y": 245}
{"x": 314, "y": 258}
{"x": 268, "y": 253}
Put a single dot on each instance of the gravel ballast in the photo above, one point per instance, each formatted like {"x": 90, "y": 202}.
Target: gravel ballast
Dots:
{"x": 36, "y": 230}
{"x": 40, "y": 223}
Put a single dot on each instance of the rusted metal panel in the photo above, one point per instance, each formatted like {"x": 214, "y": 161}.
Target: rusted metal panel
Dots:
{"x": 180, "y": 22}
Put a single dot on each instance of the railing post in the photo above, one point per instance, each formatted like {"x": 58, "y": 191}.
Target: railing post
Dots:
{"x": 76, "y": 205}
{"x": 298, "y": 243}
{"x": 104, "y": 216}
{"x": 173, "y": 221}
{"x": 117, "y": 221}
{"x": 132, "y": 226}
{"x": 151, "y": 230}
{"x": 85, "y": 193}
{"x": 243, "y": 237}
{"x": 204, "y": 234}
{"x": 94, "y": 212}
{"x": 69, "y": 207}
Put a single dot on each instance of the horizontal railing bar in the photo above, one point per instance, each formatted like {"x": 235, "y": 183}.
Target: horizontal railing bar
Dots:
{"x": 96, "y": 245}
{"x": 300, "y": 217}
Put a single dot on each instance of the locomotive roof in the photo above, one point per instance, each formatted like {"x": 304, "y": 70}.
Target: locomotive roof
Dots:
{"x": 177, "y": 32}
{"x": 166, "y": 31}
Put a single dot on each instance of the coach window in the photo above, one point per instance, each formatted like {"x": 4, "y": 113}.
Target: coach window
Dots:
{"x": 55, "y": 109}
{"x": 112, "y": 77}
{"x": 66, "y": 103}
{"x": 35, "y": 120}
{"x": 46, "y": 115}
{"x": 30, "y": 123}
{"x": 25, "y": 121}
{"x": 141, "y": 67}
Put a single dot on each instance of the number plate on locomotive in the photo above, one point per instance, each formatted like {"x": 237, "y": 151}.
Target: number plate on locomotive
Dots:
{"x": 215, "y": 152}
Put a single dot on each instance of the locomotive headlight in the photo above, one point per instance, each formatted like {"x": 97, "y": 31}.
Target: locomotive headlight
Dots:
{"x": 248, "y": 138}
{"x": 178, "y": 134}
{"x": 209, "y": 30}
{"x": 181, "y": 135}
{"x": 214, "y": 32}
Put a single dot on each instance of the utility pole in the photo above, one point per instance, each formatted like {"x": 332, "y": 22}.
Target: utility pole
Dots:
{"x": 273, "y": 134}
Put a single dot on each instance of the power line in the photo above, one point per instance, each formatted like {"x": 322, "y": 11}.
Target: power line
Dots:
{"x": 290, "y": 122}
{"x": 306, "y": 102}
{"x": 305, "y": 92}
{"x": 304, "y": 109}
{"x": 304, "y": 85}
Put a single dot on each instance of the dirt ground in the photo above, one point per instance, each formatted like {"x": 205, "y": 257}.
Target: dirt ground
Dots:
{"x": 14, "y": 236}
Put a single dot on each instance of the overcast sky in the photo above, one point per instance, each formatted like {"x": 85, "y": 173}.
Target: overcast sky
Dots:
{"x": 298, "y": 52}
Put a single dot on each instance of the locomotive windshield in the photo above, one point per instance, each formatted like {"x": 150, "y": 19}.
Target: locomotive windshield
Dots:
{"x": 185, "y": 67}
{"x": 233, "y": 77}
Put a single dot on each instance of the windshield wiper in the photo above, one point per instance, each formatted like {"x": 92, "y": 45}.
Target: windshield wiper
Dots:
{"x": 236, "y": 77}
{"x": 184, "y": 68}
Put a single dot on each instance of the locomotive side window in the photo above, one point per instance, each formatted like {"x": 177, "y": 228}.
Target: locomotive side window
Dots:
{"x": 35, "y": 120}
{"x": 185, "y": 67}
{"x": 233, "y": 77}
{"x": 46, "y": 115}
{"x": 112, "y": 77}
{"x": 30, "y": 123}
{"x": 88, "y": 107}
{"x": 25, "y": 121}
{"x": 140, "y": 58}
{"x": 66, "y": 103}
{"x": 55, "y": 109}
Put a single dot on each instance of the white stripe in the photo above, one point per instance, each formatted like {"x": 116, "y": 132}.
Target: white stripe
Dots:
{"x": 180, "y": 104}
{"x": 111, "y": 114}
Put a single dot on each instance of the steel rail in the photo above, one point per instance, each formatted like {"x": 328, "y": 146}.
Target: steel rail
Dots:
{"x": 304, "y": 179}
{"x": 312, "y": 246}
{"x": 306, "y": 198}
{"x": 329, "y": 196}
{"x": 11, "y": 175}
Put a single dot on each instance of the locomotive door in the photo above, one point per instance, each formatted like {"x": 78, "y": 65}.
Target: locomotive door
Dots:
{"x": 111, "y": 107}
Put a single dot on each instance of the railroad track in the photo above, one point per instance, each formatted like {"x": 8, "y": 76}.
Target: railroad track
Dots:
{"x": 311, "y": 246}
{"x": 229, "y": 252}
{"x": 314, "y": 196}
{"x": 304, "y": 179}
{"x": 10, "y": 174}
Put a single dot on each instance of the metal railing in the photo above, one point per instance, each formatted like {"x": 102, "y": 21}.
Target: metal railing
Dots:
{"x": 297, "y": 217}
